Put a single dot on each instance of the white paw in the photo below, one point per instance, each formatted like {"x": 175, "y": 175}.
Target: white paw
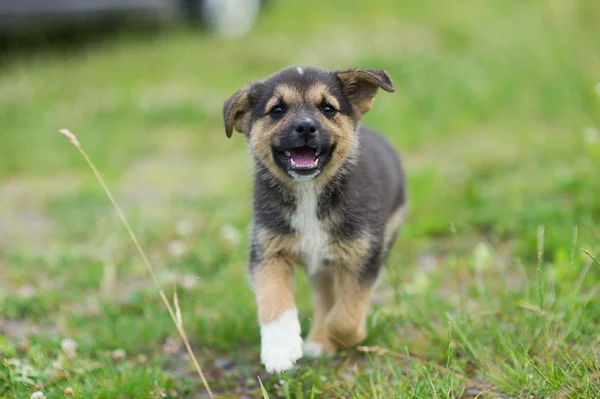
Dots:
{"x": 312, "y": 350}
{"x": 281, "y": 342}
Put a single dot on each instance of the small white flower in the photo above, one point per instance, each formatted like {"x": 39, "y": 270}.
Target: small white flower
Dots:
{"x": 171, "y": 346}
{"x": 27, "y": 291}
{"x": 481, "y": 256}
{"x": 38, "y": 395}
{"x": 591, "y": 135}
{"x": 230, "y": 235}
{"x": 158, "y": 393}
{"x": 69, "y": 346}
{"x": 177, "y": 248}
{"x": 184, "y": 227}
{"x": 119, "y": 354}
{"x": 420, "y": 283}
{"x": 57, "y": 364}
{"x": 189, "y": 281}
{"x": 14, "y": 362}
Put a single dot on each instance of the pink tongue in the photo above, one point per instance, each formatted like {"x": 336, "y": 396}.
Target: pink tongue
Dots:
{"x": 304, "y": 156}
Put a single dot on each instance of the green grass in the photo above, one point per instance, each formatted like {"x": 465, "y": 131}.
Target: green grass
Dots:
{"x": 487, "y": 292}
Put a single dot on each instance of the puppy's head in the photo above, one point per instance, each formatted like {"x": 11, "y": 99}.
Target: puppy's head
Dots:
{"x": 302, "y": 122}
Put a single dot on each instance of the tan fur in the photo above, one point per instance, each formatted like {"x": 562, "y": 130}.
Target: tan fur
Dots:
{"x": 341, "y": 284}
{"x": 319, "y": 94}
{"x": 363, "y": 102}
{"x": 272, "y": 244}
{"x": 346, "y": 321}
{"x": 340, "y": 301}
{"x": 273, "y": 101}
{"x": 361, "y": 85}
{"x": 323, "y": 301}
{"x": 264, "y": 133}
{"x": 284, "y": 94}
{"x": 238, "y": 114}
{"x": 342, "y": 128}
{"x": 393, "y": 225}
{"x": 346, "y": 139}
{"x": 349, "y": 254}
{"x": 273, "y": 282}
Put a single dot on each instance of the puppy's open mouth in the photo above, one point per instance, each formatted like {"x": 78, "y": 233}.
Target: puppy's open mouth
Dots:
{"x": 302, "y": 158}
{"x": 302, "y": 162}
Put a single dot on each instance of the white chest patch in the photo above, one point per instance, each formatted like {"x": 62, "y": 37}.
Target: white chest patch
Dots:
{"x": 312, "y": 238}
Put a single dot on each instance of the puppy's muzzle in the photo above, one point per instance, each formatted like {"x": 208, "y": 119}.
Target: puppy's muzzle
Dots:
{"x": 303, "y": 147}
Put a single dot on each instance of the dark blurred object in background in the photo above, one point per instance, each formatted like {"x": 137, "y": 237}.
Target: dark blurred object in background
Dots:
{"x": 30, "y": 17}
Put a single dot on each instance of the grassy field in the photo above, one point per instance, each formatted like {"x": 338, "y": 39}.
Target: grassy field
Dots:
{"x": 489, "y": 291}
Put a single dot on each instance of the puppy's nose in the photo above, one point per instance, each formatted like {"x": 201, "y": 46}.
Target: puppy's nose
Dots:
{"x": 306, "y": 128}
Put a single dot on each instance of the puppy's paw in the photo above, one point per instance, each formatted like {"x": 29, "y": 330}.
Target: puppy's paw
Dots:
{"x": 281, "y": 343}
{"x": 313, "y": 349}
{"x": 280, "y": 358}
{"x": 345, "y": 329}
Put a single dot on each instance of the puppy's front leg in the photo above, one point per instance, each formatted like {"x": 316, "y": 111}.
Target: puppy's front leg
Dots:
{"x": 346, "y": 322}
{"x": 318, "y": 343}
{"x": 281, "y": 343}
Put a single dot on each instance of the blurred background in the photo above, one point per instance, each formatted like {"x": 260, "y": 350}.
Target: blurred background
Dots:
{"x": 496, "y": 116}
{"x": 29, "y": 17}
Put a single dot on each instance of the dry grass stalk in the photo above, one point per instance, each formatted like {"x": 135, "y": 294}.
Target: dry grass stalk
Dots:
{"x": 175, "y": 315}
{"x": 590, "y": 256}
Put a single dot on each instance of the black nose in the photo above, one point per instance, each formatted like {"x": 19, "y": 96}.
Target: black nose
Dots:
{"x": 306, "y": 128}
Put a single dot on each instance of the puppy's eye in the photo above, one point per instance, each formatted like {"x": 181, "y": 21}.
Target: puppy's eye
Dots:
{"x": 328, "y": 109}
{"x": 277, "y": 110}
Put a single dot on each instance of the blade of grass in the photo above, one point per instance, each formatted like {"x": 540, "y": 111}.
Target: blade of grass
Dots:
{"x": 262, "y": 389}
{"x": 174, "y": 316}
{"x": 590, "y": 255}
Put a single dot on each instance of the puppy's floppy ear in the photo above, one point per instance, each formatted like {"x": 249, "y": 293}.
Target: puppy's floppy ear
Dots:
{"x": 237, "y": 112}
{"x": 361, "y": 85}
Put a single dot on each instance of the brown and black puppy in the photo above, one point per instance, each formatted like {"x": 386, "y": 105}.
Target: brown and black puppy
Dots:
{"x": 329, "y": 194}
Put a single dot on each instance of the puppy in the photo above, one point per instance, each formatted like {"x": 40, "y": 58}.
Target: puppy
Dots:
{"x": 329, "y": 194}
